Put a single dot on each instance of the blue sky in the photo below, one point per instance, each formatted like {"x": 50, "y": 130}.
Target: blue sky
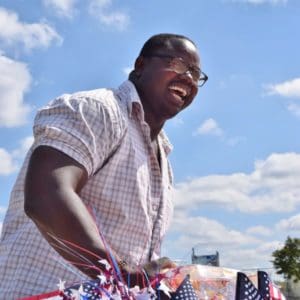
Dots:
{"x": 236, "y": 155}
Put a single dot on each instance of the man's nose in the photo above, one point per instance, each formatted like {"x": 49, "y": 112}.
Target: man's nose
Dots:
{"x": 188, "y": 75}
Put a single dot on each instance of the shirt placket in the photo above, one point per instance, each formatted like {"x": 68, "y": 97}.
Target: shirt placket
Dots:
{"x": 156, "y": 190}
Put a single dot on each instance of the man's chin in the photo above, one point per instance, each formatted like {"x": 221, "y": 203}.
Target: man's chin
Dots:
{"x": 173, "y": 113}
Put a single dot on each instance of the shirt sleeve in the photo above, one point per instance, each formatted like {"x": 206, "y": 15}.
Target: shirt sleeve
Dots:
{"x": 84, "y": 128}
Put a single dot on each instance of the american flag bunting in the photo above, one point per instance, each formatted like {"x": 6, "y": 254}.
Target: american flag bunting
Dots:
{"x": 267, "y": 288}
{"x": 185, "y": 291}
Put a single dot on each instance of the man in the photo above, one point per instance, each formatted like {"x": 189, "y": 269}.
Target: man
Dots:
{"x": 97, "y": 176}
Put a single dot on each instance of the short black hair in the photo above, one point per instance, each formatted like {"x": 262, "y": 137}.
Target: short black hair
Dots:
{"x": 162, "y": 40}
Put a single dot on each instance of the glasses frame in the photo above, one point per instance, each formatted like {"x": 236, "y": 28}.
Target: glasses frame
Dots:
{"x": 200, "y": 82}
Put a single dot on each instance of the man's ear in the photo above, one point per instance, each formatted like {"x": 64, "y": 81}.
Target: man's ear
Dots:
{"x": 139, "y": 66}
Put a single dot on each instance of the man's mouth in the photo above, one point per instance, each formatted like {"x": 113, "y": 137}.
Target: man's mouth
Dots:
{"x": 180, "y": 90}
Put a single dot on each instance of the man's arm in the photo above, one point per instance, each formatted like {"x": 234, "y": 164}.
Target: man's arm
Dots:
{"x": 52, "y": 184}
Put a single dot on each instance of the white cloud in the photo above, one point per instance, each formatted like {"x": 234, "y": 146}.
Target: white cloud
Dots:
{"x": 259, "y": 230}
{"x": 253, "y": 257}
{"x": 290, "y": 225}
{"x": 294, "y": 109}
{"x": 25, "y": 144}
{"x": 7, "y": 165}
{"x": 273, "y": 186}
{"x": 207, "y": 233}
{"x": 212, "y": 128}
{"x": 237, "y": 249}
{"x": 14, "y": 32}
{"x": 0, "y": 227}
{"x": 9, "y": 161}
{"x": 114, "y": 19}
{"x": 209, "y": 127}
{"x": 62, "y": 8}
{"x": 289, "y": 88}
{"x": 14, "y": 82}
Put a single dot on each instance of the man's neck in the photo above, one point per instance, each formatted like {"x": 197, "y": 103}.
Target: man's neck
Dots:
{"x": 154, "y": 124}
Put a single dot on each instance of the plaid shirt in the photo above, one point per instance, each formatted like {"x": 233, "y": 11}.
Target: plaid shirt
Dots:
{"x": 129, "y": 191}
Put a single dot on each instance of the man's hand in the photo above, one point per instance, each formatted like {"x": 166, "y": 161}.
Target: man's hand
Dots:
{"x": 158, "y": 266}
{"x": 152, "y": 269}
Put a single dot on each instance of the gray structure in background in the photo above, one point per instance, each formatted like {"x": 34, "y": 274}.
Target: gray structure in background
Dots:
{"x": 207, "y": 260}
{"x": 292, "y": 290}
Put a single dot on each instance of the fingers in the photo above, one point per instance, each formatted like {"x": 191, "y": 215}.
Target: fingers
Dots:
{"x": 167, "y": 263}
{"x": 160, "y": 265}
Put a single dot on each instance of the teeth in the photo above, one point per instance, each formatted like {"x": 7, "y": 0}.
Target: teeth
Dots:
{"x": 182, "y": 91}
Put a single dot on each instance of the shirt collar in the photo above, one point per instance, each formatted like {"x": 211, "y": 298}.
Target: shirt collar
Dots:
{"x": 130, "y": 97}
{"x": 165, "y": 142}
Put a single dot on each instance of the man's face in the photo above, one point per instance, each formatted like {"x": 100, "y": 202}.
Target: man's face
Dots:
{"x": 164, "y": 92}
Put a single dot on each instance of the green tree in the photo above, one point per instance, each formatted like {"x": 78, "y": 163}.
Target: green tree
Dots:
{"x": 287, "y": 260}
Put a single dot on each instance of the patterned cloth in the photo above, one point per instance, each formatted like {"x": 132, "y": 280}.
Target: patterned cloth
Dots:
{"x": 267, "y": 288}
{"x": 128, "y": 190}
{"x": 245, "y": 289}
{"x": 185, "y": 291}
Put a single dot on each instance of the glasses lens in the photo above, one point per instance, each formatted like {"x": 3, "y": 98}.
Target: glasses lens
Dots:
{"x": 195, "y": 74}
{"x": 201, "y": 82}
{"x": 203, "y": 78}
{"x": 178, "y": 65}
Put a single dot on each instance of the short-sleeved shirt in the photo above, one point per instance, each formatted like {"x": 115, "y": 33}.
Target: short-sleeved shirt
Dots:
{"x": 128, "y": 189}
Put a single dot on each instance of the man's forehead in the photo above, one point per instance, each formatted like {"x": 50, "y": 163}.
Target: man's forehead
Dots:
{"x": 183, "y": 47}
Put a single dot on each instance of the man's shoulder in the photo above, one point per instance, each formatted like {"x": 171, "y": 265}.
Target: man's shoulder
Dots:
{"x": 101, "y": 94}
{"x": 121, "y": 97}
{"x": 114, "y": 101}
{"x": 106, "y": 98}
{"x": 124, "y": 95}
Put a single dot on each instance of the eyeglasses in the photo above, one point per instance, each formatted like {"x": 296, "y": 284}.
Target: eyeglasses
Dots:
{"x": 178, "y": 65}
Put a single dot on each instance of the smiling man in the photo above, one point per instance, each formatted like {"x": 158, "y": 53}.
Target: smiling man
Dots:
{"x": 98, "y": 172}
{"x": 167, "y": 75}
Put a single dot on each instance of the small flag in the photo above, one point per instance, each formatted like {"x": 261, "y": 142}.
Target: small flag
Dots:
{"x": 83, "y": 291}
{"x": 185, "y": 291}
{"x": 267, "y": 288}
{"x": 245, "y": 289}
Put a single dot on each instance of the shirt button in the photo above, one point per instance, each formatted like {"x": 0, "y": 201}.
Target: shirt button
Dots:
{"x": 154, "y": 206}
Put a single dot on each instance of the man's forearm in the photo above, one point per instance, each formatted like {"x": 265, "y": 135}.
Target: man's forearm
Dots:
{"x": 52, "y": 186}
{"x": 66, "y": 224}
